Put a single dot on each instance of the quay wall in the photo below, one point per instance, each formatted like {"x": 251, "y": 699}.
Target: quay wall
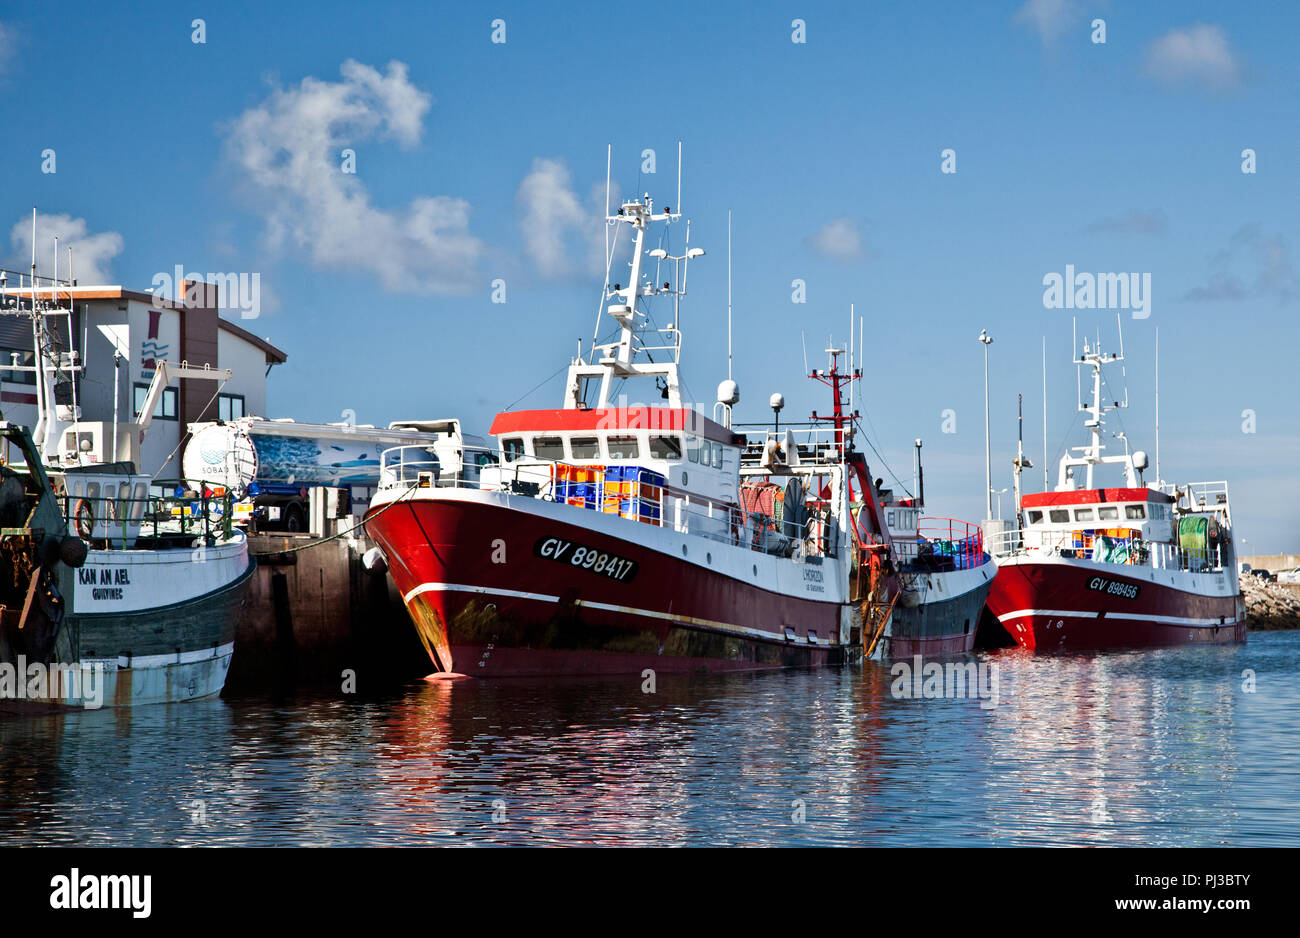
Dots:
{"x": 313, "y": 613}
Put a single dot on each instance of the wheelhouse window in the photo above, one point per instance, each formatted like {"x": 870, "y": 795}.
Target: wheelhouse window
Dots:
{"x": 693, "y": 448}
{"x": 1035, "y": 517}
{"x": 513, "y": 448}
{"x": 1108, "y": 513}
{"x": 717, "y": 455}
{"x": 623, "y": 447}
{"x": 548, "y": 447}
{"x": 1135, "y": 512}
{"x": 665, "y": 447}
{"x": 1059, "y": 516}
{"x": 1084, "y": 514}
{"x": 584, "y": 447}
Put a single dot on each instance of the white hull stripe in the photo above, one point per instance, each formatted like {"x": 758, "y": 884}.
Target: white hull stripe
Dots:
{"x": 144, "y": 662}
{"x": 1126, "y": 616}
{"x": 606, "y": 607}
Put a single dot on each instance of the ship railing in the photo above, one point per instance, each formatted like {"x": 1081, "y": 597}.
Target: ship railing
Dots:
{"x": 409, "y": 465}
{"x": 941, "y": 540}
{"x": 1130, "y": 551}
{"x": 1204, "y": 496}
{"x": 813, "y": 445}
{"x": 118, "y": 511}
{"x": 645, "y": 498}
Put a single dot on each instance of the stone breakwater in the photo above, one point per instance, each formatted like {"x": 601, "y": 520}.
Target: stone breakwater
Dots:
{"x": 1270, "y": 606}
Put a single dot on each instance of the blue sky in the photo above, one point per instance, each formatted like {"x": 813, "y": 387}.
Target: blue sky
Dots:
{"x": 478, "y": 160}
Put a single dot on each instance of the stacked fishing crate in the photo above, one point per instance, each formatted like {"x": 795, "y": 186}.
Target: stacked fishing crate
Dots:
{"x": 631, "y": 492}
{"x": 578, "y": 486}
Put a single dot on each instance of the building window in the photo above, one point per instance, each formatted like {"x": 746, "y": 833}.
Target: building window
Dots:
{"x": 230, "y": 406}
{"x": 27, "y": 358}
{"x": 165, "y": 409}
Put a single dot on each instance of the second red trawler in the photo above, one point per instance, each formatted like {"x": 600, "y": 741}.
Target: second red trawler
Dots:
{"x": 1126, "y": 567}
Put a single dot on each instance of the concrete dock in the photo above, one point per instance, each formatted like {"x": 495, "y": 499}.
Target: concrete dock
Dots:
{"x": 314, "y": 613}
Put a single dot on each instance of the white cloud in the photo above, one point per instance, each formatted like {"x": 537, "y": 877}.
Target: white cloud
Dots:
{"x": 1250, "y": 247}
{"x": 838, "y": 239}
{"x": 556, "y": 224}
{"x": 1049, "y": 18}
{"x": 1198, "y": 54}
{"x": 91, "y": 253}
{"x": 290, "y": 147}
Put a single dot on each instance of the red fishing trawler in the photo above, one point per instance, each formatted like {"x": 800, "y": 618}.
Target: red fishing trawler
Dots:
{"x": 602, "y": 537}
{"x": 1132, "y": 566}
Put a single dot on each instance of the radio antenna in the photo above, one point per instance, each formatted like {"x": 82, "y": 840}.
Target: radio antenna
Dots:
{"x": 1074, "y": 352}
{"x": 851, "y": 331}
{"x": 678, "y": 203}
{"x": 1045, "y": 483}
{"x": 1158, "y": 478}
{"x": 679, "y": 208}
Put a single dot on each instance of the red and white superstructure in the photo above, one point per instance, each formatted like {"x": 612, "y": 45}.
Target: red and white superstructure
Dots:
{"x": 603, "y": 537}
{"x": 1131, "y": 566}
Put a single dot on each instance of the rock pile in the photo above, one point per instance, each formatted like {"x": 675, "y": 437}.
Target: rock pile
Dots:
{"x": 1270, "y": 605}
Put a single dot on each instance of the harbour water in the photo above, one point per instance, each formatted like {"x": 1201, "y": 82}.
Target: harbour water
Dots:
{"x": 1155, "y": 748}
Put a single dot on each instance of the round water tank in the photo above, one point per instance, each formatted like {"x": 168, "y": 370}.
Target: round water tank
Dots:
{"x": 220, "y": 455}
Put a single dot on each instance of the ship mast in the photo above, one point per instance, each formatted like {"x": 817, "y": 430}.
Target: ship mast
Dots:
{"x": 1090, "y": 456}
{"x": 843, "y": 422}
{"x": 633, "y": 353}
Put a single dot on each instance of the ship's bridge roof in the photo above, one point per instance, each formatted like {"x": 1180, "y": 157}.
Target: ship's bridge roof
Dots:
{"x": 1093, "y": 497}
{"x": 681, "y": 419}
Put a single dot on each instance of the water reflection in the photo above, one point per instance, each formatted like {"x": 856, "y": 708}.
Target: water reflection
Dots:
{"x": 1152, "y": 748}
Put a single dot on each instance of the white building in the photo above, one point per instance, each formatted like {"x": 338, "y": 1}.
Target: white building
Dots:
{"x": 148, "y": 329}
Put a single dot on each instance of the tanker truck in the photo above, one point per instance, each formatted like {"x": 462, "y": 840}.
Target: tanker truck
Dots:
{"x": 269, "y": 466}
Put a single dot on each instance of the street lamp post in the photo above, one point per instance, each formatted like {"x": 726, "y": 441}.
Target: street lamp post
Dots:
{"x": 987, "y": 340}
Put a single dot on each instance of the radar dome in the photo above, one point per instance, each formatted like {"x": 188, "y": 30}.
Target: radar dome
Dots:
{"x": 728, "y": 392}
{"x": 1140, "y": 459}
{"x": 776, "y": 401}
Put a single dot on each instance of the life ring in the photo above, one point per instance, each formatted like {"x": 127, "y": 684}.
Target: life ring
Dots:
{"x": 84, "y": 515}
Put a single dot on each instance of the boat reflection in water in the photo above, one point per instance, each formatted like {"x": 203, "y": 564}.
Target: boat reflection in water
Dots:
{"x": 1094, "y": 750}
{"x": 1157, "y": 747}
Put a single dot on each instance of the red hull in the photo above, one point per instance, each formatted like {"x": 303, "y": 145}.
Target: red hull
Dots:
{"x": 1063, "y": 606}
{"x": 487, "y": 601}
